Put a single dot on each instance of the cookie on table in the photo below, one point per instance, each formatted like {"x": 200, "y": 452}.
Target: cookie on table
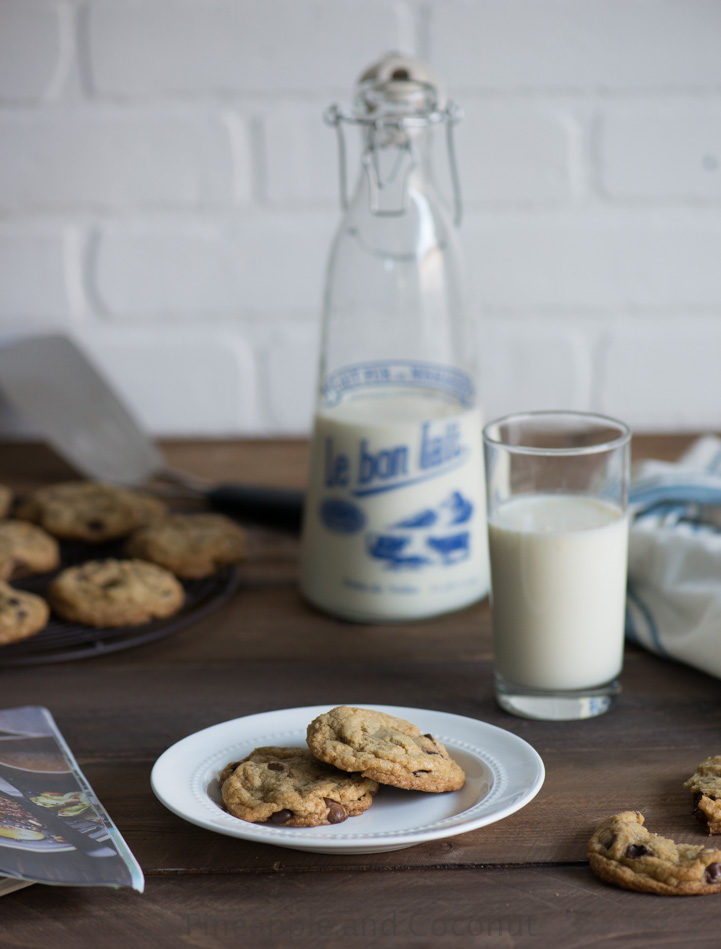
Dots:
{"x": 387, "y": 749}
{"x": 110, "y": 593}
{"x": 6, "y": 500}
{"x": 21, "y": 614}
{"x": 705, "y": 784}
{"x": 90, "y": 510}
{"x": 190, "y": 545}
{"x": 26, "y": 548}
{"x": 290, "y": 787}
{"x": 624, "y": 853}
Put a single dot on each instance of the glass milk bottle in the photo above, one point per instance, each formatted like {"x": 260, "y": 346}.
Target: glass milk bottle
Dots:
{"x": 394, "y": 522}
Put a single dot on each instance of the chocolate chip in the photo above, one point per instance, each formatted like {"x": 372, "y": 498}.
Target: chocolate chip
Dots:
{"x": 336, "y": 811}
{"x": 697, "y": 812}
{"x": 636, "y": 850}
{"x": 95, "y": 524}
{"x": 713, "y": 872}
{"x": 21, "y": 614}
{"x": 431, "y": 738}
{"x": 281, "y": 817}
{"x": 275, "y": 766}
{"x": 13, "y": 601}
{"x": 416, "y": 773}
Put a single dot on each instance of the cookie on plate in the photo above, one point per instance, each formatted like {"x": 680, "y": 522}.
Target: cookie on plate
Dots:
{"x": 290, "y": 787}
{"x": 6, "y": 499}
{"x": 110, "y": 593}
{"x": 21, "y": 614}
{"x": 387, "y": 749}
{"x": 90, "y": 510}
{"x": 26, "y": 548}
{"x": 705, "y": 784}
{"x": 623, "y": 852}
{"x": 190, "y": 545}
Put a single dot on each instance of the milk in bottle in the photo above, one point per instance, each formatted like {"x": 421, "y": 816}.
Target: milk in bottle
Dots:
{"x": 394, "y": 523}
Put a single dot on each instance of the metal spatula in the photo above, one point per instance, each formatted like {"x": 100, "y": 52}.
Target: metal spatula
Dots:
{"x": 56, "y": 388}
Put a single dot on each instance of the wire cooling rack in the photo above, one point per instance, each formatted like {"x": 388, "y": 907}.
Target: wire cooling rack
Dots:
{"x": 61, "y": 641}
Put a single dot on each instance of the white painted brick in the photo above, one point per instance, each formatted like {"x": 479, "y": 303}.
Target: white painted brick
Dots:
{"x": 515, "y": 152}
{"x": 507, "y": 153}
{"x": 664, "y": 374}
{"x": 292, "y": 377}
{"x": 112, "y": 159}
{"x": 661, "y": 150}
{"x": 596, "y": 259}
{"x": 256, "y": 264}
{"x": 301, "y": 153}
{"x": 527, "y": 367}
{"x": 197, "y": 381}
{"x": 32, "y": 54}
{"x": 207, "y": 46}
{"x": 33, "y": 278}
{"x": 595, "y": 44}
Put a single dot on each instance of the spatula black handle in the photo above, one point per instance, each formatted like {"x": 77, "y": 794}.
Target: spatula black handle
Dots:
{"x": 281, "y": 508}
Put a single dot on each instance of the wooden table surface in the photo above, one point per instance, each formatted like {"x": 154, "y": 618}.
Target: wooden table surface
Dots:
{"x": 523, "y": 881}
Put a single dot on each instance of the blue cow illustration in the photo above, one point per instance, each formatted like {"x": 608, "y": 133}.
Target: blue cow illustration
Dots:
{"x": 460, "y": 507}
{"x": 425, "y": 518}
{"x": 453, "y": 548}
{"x": 390, "y": 549}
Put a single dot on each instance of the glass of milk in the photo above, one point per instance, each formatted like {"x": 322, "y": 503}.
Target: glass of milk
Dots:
{"x": 557, "y": 505}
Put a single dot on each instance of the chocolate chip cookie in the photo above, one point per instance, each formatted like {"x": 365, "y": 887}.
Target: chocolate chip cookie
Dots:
{"x": 90, "y": 510}
{"x": 387, "y": 749}
{"x": 623, "y": 852}
{"x": 110, "y": 593}
{"x": 705, "y": 784}
{"x": 6, "y": 499}
{"x": 21, "y": 614}
{"x": 190, "y": 545}
{"x": 26, "y": 548}
{"x": 290, "y": 787}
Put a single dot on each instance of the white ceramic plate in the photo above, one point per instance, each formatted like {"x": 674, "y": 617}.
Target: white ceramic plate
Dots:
{"x": 503, "y": 773}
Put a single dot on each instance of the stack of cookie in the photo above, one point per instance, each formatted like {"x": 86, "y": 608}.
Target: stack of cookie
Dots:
{"x": 351, "y": 751}
{"x": 157, "y": 550}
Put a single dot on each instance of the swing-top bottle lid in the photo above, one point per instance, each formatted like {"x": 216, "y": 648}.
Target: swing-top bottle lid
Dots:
{"x": 395, "y": 98}
{"x": 397, "y": 91}
{"x": 398, "y": 85}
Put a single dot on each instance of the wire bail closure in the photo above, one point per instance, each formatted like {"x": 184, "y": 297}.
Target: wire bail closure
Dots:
{"x": 403, "y": 123}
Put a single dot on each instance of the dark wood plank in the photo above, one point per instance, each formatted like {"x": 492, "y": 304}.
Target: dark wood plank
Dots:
{"x": 120, "y": 713}
{"x": 247, "y": 461}
{"x": 560, "y": 906}
{"x": 265, "y": 649}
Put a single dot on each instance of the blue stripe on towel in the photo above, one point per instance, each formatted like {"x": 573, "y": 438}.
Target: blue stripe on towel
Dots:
{"x": 663, "y": 510}
{"x": 650, "y": 622}
{"x": 645, "y": 496}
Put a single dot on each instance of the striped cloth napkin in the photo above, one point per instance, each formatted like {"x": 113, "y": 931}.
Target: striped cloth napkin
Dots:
{"x": 674, "y": 569}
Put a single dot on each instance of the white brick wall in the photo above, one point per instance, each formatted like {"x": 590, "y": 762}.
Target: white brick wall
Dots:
{"x": 79, "y": 160}
{"x": 33, "y": 49}
{"x": 168, "y": 193}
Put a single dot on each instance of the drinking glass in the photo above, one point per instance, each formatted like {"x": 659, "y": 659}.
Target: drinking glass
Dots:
{"x": 557, "y": 504}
